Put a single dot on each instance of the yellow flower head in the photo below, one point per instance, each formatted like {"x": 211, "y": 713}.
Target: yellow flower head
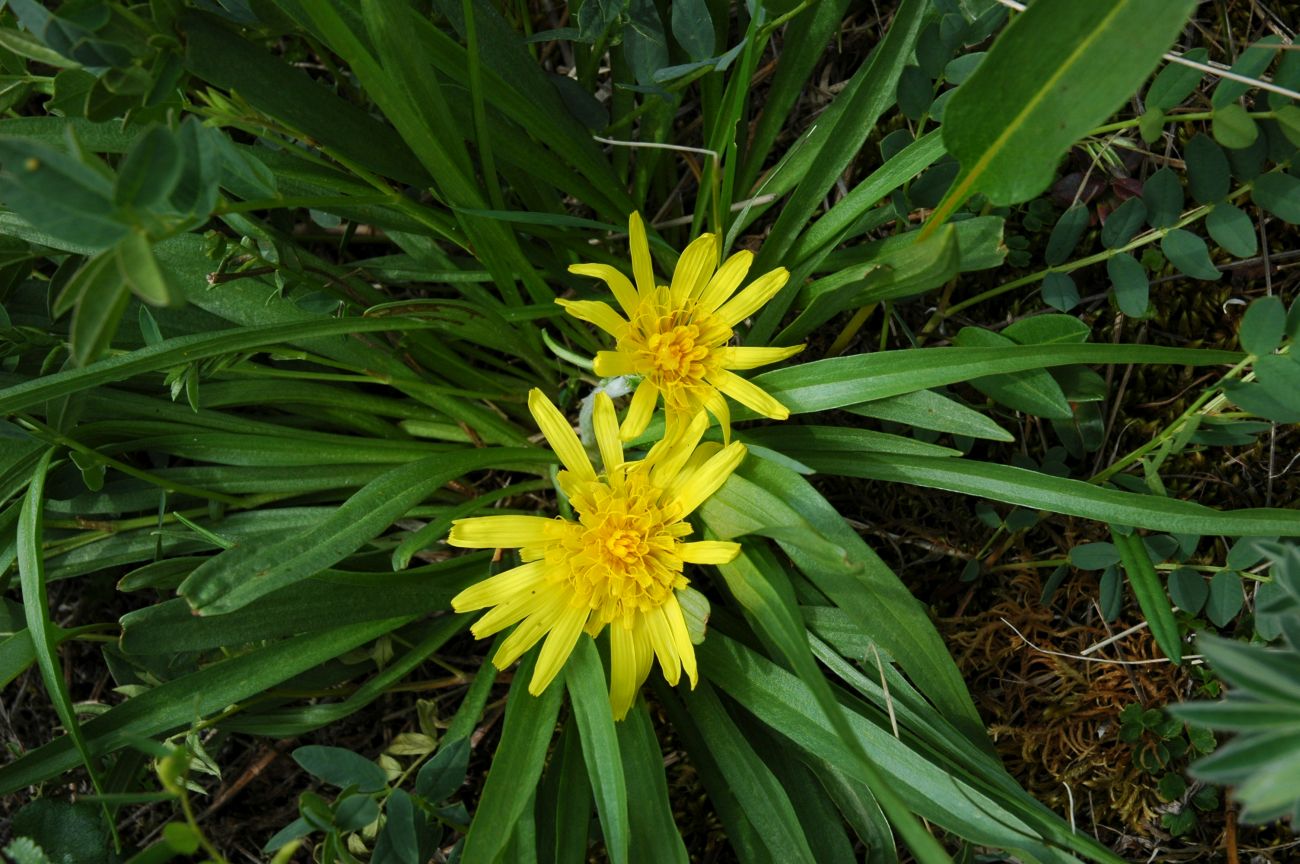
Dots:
{"x": 676, "y": 336}
{"x": 620, "y": 564}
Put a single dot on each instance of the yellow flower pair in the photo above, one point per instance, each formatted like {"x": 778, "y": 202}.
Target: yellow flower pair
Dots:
{"x": 620, "y": 564}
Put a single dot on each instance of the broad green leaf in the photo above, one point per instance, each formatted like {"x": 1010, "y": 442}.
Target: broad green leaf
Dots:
{"x": 1188, "y": 589}
{"x": 1094, "y": 556}
{"x": 1233, "y": 127}
{"x": 584, "y": 677}
{"x": 1032, "y": 391}
{"x": 1279, "y": 194}
{"x": 1132, "y": 287}
{"x": 139, "y": 271}
{"x": 1207, "y": 169}
{"x": 926, "y": 409}
{"x": 1123, "y": 223}
{"x": 1232, "y": 229}
{"x": 1225, "y": 599}
{"x": 1262, "y": 326}
{"x": 1065, "y": 235}
{"x": 1176, "y": 82}
{"x": 692, "y": 27}
{"x": 341, "y": 767}
{"x": 150, "y": 171}
{"x": 1163, "y": 195}
{"x": 1188, "y": 253}
{"x": 1060, "y": 292}
{"x": 516, "y": 766}
{"x": 839, "y": 381}
{"x": 441, "y": 776}
{"x": 1251, "y": 63}
{"x": 1058, "y": 495}
{"x": 1057, "y": 70}
{"x": 58, "y": 195}
{"x": 176, "y": 704}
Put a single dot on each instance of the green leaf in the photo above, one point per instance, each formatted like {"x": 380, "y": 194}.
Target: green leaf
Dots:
{"x": 1132, "y": 288}
{"x": 915, "y": 92}
{"x": 1279, "y": 194}
{"x": 43, "y": 631}
{"x": 1031, "y": 391}
{"x": 926, "y": 409}
{"x": 1057, "y": 70}
{"x": 597, "y": 17}
{"x": 1060, "y": 292}
{"x": 1150, "y": 593}
{"x": 654, "y": 833}
{"x": 1188, "y": 253}
{"x": 1065, "y": 234}
{"x": 1226, "y": 598}
{"x": 1233, "y": 127}
{"x": 1262, "y": 326}
{"x": 1094, "y": 556}
{"x": 1058, "y": 495}
{"x": 58, "y": 195}
{"x": 340, "y": 767}
{"x": 183, "y": 349}
{"x": 240, "y": 575}
{"x": 1176, "y": 82}
{"x": 644, "y": 41}
{"x": 1207, "y": 169}
{"x": 139, "y": 271}
{"x": 1251, "y": 63}
{"x": 692, "y": 27}
{"x": 150, "y": 170}
{"x": 516, "y": 766}
{"x": 839, "y": 381}
{"x": 441, "y": 776}
{"x": 175, "y": 704}
{"x": 1123, "y": 223}
{"x": 1188, "y": 589}
{"x": 1232, "y": 229}
{"x": 399, "y": 842}
{"x": 584, "y": 677}
{"x": 1163, "y": 196}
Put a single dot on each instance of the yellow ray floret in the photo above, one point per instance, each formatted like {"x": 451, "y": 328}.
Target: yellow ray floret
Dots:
{"x": 619, "y": 565}
{"x": 676, "y": 336}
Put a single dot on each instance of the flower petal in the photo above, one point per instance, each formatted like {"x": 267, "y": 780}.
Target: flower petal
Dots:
{"x": 750, "y": 300}
{"x": 501, "y": 588}
{"x": 611, "y": 363}
{"x": 642, "y": 268}
{"x": 682, "y": 636}
{"x": 749, "y": 394}
{"x": 563, "y": 440}
{"x": 749, "y": 358}
{"x": 619, "y": 285}
{"x": 641, "y": 409}
{"x": 709, "y": 552}
{"x": 661, "y": 641}
{"x": 725, "y": 282}
{"x": 691, "y": 489}
{"x": 716, "y": 404}
{"x": 670, "y": 454}
{"x": 501, "y": 532}
{"x": 513, "y": 611}
{"x": 531, "y": 629}
{"x": 623, "y": 682}
{"x": 605, "y": 424}
{"x": 694, "y": 268}
{"x": 557, "y": 648}
{"x": 596, "y": 312}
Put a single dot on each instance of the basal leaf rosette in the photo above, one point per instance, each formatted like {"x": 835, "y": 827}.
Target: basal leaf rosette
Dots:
{"x": 620, "y": 565}
{"x": 676, "y": 337}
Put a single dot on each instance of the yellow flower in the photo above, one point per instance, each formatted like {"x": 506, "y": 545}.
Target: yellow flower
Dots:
{"x": 675, "y": 336}
{"x": 620, "y": 564}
